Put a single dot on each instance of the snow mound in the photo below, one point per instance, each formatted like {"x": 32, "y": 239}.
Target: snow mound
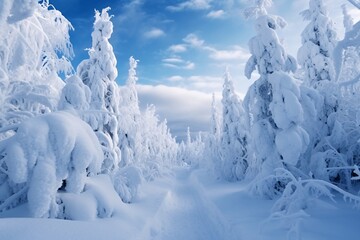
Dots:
{"x": 48, "y": 152}
{"x": 126, "y": 182}
{"x": 99, "y": 199}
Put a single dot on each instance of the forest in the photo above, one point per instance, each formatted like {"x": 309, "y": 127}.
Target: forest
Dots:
{"x": 72, "y": 136}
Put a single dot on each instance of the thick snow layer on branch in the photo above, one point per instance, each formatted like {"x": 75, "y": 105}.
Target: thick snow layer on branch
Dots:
{"x": 75, "y": 95}
{"x": 285, "y": 106}
{"x": 47, "y": 150}
{"x": 268, "y": 55}
{"x": 291, "y": 143}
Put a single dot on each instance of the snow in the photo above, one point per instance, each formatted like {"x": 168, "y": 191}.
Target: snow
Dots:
{"x": 283, "y": 164}
{"x": 65, "y": 149}
{"x": 186, "y": 205}
{"x": 126, "y": 182}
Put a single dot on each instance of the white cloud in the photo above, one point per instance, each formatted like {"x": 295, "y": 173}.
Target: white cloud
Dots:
{"x": 175, "y": 78}
{"x": 179, "y": 63}
{"x": 191, "y": 5}
{"x": 173, "y": 60}
{"x": 193, "y": 40}
{"x": 178, "y": 48}
{"x": 235, "y": 53}
{"x": 189, "y": 65}
{"x": 154, "y": 33}
{"x": 202, "y": 83}
{"x": 216, "y": 14}
{"x": 181, "y": 107}
{"x": 238, "y": 53}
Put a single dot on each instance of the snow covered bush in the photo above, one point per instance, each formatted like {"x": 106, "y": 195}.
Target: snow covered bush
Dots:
{"x": 301, "y": 194}
{"x": 192, "y": 151}
{"x": 157, "y": 151}
{"x": 126, "y": 182}
{"x": 99, "y": 199}
{"x": 61, "y": 155}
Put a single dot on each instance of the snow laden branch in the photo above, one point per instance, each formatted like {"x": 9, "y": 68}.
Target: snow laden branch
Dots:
{"x": 299, "y": 193}
{"x": 298, "y": 196}
{"x": 65, "y": 150}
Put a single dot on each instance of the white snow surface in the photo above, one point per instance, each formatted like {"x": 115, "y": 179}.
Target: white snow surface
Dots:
{"x": 47, "y": 150}
{"x": 185, "y": 205}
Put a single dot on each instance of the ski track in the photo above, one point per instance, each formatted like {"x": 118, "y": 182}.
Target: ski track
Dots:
{"x": 185, "y": 213}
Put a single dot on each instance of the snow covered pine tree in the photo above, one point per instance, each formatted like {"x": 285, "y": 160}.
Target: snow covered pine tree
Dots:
{"x": 234, "y": 136}
{"x": 99, "y": 74}
{"x": 272, "y": 104}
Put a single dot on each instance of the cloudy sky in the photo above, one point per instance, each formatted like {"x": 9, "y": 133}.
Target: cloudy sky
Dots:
{"x": 184, "y": 46}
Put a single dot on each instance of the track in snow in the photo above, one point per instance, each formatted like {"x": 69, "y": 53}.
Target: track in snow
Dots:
{"x": 185, "y": 213}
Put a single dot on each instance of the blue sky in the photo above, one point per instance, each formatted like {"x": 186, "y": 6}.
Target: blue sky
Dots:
{"x": 183, "y": 47}
{"x": 175, "y": 41}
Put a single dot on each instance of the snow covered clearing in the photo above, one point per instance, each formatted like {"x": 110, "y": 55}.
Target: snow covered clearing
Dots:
{"x": 191, "y": 204}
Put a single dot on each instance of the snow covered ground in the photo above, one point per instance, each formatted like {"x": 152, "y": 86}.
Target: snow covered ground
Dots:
{"x": 190, "y": 204}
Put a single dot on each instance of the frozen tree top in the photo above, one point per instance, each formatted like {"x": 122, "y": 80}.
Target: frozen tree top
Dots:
{"x": 132, "y": 71}
{"x": 258, "y": 9}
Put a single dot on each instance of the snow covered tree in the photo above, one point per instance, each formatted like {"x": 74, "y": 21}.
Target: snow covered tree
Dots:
{"x": 329, "y": 131}
{"x": 130, "y": 117}
{"x": 347, "y": 53}
{"x": 157, "y": 148}
{"x": 273, "y": 105}
{"x": 99, "y": 73}
{"x": 234, "y": 136}
{"x": 315, "y": 58}
{"x": 145, "y": 142}
{"x": 191, "y": 151}
{"x": 211, "y": 159}
{"x": 34, "y": 48}
{"x": 185, "y": 151}
{"x": 348, "y": 21}
{"x": 336, "y": 149}
{"x": 215, "y": 120}
{"x": 318, "y": 42}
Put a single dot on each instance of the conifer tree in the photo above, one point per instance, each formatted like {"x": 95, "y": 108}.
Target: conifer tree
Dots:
{"x": 318, "y": 43}
{"x": 273, "y": 104}
{"x": 129, "y": 131}
{"x": 99, "y": 73}
{"x": 234, "y": 137}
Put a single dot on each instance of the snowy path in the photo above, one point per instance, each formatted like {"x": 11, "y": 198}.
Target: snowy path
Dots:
{"x": 190, "y": 204}
{"x": 185, "y": 213}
